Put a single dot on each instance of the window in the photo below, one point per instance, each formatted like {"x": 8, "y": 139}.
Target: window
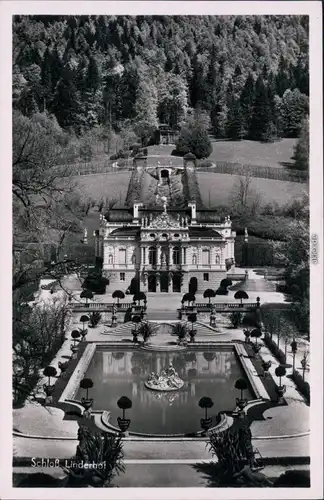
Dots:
{"x": 205, "y": 257}
{"x": 206, "y": 277}
{"x": 176, "y": 255}
{"x": 122, "y": 276}
{"x": 110, "y": 258}
{"x": 122, "y": 256}
{"x": 152, "y": 256}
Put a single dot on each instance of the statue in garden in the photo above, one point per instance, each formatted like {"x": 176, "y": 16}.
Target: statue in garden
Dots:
{"x": 167, "y": 380}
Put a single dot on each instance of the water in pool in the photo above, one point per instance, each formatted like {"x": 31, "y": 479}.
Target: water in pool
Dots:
{"x": 123, "y": 373}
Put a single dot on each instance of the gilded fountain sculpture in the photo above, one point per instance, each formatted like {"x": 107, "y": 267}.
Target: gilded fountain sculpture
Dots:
{"x": 167, "y": 380}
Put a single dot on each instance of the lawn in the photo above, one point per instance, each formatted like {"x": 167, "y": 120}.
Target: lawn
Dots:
{"x": 218, "y": 189}
{"x": 277, "y": 154}
{"x": 112, "y": 185}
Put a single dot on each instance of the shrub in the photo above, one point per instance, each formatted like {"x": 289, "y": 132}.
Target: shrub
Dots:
{"x": 194, "y": 139}
{"x": 272, "y": 346}
{"x": 95, "y": 317}
{"x": 221, "y": 291}
{"x": 191, "y": 189}
{"x": 302, "y": 385}
{"x": 236, "y": 319}
{"x": 205, "y": 164}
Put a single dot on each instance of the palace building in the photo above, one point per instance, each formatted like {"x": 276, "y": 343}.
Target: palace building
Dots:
{"x": 166, "y": 248}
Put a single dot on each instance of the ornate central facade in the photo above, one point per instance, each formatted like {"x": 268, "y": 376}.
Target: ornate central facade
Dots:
{"x": 167, "y": 250}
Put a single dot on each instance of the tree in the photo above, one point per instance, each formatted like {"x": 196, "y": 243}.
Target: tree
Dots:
{"x": 86, "y": 383}
{"x": 209, "y": 294}
{"x": 280, "y": 371}
{"x": 146, "y": 104}
{"x": 262, "y": 127}
{"x": 44, "y": 209}
{"x": 294, "y": 254}
{"x": 86, "y": 294}
{"x": 50, "y": 371}
{"x": 193, "y": 138}
{"x": 173, "y": 100}
{"x": 294, "y": 110}
{"x": 38, "y": 332}
{"x": 66, "y": 105}
{"x": 206, "y": 403}
{"x": 240, "y": 295}
{"x": 84, "y": 319}
{"x": 124, "y": 403}
{"x": 301, "y": 152}
{"x": 256, "y": 333}
{"x": 234, "y": 126}
{"x": 118, "y": 294}
{"x": 241, "y": 385}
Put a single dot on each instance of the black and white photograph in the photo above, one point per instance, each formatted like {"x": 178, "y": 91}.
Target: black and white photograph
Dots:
{"x": 167, "y": 294}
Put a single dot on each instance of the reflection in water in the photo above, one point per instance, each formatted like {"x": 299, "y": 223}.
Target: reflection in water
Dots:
{"x": 210, "y": 374}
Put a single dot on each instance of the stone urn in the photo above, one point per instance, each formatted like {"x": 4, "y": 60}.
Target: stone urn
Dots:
{"x": 135, "y": 336}
{"x": 266, "y": 367}
{"x": 241, "y": 403}
{"x": 256, "y": 348}
{"x": 123, "y": 423}
{"x": 280, "y": 390}
{"x": 192, "y": 334}
{"x": 49, "y": 389}
{"x": 206, "y": 423}
{"x": 87, "y": 403}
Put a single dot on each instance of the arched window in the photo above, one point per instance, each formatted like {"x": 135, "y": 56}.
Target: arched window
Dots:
{"x": 110, "y": 259}
{"x": 152, "y": 256}
{"x": 217, "y": 259}
{"x": 194, "y": 259}
{"x": 176, "y": 255}
{"x": 205, "y": 257}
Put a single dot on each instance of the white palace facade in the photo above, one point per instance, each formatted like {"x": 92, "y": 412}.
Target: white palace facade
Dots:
{"x": 167, "y": 249}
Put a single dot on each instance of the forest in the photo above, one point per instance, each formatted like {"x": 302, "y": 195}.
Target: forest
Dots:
{"x": 244, "y": 77}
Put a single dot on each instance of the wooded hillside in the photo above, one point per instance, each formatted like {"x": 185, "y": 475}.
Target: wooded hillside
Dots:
{"x": 248, "y": 75}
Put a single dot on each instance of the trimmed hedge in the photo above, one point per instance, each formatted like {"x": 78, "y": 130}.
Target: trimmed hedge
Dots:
{"x": 276, "y": 351}
{"x": 191, "y": 189}
{"x": 301, "y": 384}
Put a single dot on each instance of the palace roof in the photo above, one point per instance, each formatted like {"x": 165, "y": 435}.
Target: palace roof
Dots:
{"x": 203, "y": 232}
{"x": 126, "y": 214}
